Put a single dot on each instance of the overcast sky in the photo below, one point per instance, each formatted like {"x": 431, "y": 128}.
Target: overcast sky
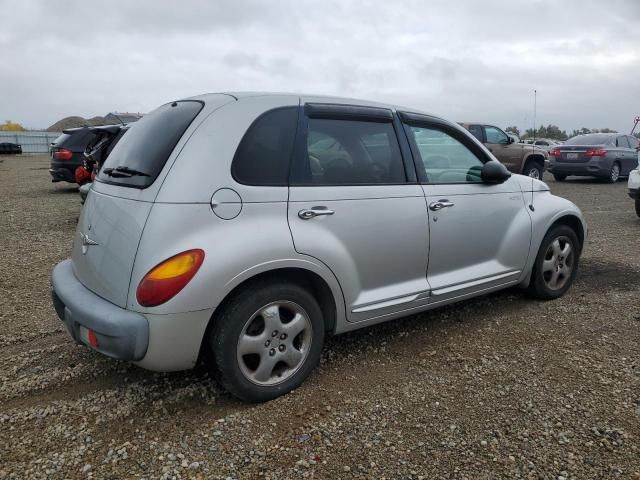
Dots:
{"x": 462, "y": 59}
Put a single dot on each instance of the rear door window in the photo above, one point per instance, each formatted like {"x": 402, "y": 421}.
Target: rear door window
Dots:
{"x": 633, "y": 142}
{"x": 137, "y": 159}
{"x": 622, "y": 142}
{"x": 349, "y": 152}
{"x": 476, "y": 131}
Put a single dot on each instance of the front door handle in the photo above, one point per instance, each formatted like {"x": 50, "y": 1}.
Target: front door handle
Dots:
{"x": 309, "y": 213}
{"x": 440, "y": 204}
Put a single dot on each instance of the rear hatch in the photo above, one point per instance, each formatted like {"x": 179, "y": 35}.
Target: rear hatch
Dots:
{"x": 114, "y": 215}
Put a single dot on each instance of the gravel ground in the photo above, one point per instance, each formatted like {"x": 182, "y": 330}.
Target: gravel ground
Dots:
{"x": 498, "y": 387}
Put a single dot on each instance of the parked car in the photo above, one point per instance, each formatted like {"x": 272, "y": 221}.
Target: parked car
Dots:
{"x": 245, "y": 228}
{"x": 96, "y": 152}
{"x": 603, "y": 155}
{"x": 517, "y": 157}
{"x": 8, "y": 148}
{"x": 545, "y": 143}
{"x": 67, "y": 153}
{"x": 634, "y": 188}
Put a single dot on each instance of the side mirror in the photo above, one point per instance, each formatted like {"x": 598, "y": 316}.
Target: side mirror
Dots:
{"x": 510, "y": 140}
{"x": 494, "y": 172}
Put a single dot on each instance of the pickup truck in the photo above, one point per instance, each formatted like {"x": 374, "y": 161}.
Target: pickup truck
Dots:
{"x": 528, "y": 160}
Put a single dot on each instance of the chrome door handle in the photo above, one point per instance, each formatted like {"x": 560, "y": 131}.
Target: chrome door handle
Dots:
{"x": 440, "y": 204}
{"x": 307, "y": 214}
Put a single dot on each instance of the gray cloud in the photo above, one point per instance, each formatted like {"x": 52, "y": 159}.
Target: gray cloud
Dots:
{"x": 463, "y": 60}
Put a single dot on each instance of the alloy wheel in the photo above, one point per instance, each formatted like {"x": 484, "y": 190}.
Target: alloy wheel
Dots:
{"x": 534, "y": 173}
{"x": 558, "y": 263}
{"x": 274, "y": 343}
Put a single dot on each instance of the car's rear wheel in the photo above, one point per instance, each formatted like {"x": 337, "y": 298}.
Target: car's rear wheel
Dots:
{"x": 266, "y": 340}
{"x": 533, "y": 170}
{"x": 559, "y": 178}
{"x": 556, "y": 264}
{"x": 614, "y": 173}
{"x": 638, "y": 207}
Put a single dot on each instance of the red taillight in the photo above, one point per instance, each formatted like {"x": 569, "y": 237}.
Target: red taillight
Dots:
{"x": 166, "y": 279}
{"x": 555, "y": 152}
{"x": 595, "y": 152}
{"x": 63, "y": 154}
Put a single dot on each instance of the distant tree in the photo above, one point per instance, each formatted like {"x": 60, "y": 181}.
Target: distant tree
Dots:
{"x": 603, "y": 130}
{"x": 512, "y": 129}
{"x": 550, "y": 131}
{"x": 9, "y": 126}
{"x": 636, "y": 134}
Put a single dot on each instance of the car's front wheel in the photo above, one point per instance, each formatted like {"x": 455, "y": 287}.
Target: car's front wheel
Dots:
{"x": 638, "y": 207}
{"x": 266, "y": 340}
{"x": 559, "y": 178}
{"x": 556, "y": 264}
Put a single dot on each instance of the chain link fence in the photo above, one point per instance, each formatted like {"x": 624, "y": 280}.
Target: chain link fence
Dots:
{"x": 32, "y": 142}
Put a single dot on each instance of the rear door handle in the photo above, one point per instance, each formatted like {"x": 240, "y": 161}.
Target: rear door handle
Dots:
{"x": 309, "y": 213}
{"x": 440, "y": 204}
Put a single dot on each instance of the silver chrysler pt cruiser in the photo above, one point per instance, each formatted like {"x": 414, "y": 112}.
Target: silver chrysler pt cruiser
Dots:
{"x": 250, "y": 226}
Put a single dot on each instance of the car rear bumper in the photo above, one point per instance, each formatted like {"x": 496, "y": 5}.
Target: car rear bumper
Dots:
{"x": 62, "y": 175}
{"x": 159, "y": 342}
{"x": 593, "y": 168}
{"x": 118, "y": 333}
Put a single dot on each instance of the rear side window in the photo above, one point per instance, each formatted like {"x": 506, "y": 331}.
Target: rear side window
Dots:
{"x": 622, "y": 142}
{"x": 633, "y": 142}
{"x": 264, "y": 153}
{"x": 347, "y": 152}
{"x": 138, "y": 158}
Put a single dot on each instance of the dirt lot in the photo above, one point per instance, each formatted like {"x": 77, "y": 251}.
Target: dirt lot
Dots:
{"x": 498, "y": 387}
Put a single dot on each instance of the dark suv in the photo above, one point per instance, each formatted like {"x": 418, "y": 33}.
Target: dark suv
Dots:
{"x": 67, "y": 153}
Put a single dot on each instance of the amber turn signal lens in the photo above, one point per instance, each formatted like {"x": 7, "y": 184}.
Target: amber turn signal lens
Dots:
{"x": 165, "y": 280}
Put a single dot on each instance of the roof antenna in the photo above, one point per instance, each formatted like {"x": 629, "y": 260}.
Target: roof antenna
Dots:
{"x": 533, "y": 147}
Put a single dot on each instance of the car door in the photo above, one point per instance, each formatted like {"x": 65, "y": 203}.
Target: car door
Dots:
{"x": 352, "y": 206}
{"x": 625, "y": 155}
{"x": 498, "y": 143}
{"x": 479, "y": 234}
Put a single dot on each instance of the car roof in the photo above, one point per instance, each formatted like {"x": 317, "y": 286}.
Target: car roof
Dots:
{"x": 315, "y": 98}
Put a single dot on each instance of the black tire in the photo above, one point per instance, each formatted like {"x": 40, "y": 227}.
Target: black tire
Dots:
{"x": 638, "y": 207}
{"x": 559, "y": 177}
{"x": 538, "y": 287}
{"x": 229, "y": 325}
{"x": 613, "y": 176}
{"x": 533, "y": 169}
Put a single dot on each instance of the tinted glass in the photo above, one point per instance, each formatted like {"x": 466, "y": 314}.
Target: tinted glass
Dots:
{"x": 495, "y": 135}
{"x": 264, "y": 153}
{"x": 594, "y": 139}
{"x": 61, "y": 139}
{"x": 633, "y": 142}
{"x": 622, "y": 142}
{"x": 345, "y": 152}
{"x": 476, "y": 131}
{"x": 148, "y": 144}
{"x": 445, "y": 159}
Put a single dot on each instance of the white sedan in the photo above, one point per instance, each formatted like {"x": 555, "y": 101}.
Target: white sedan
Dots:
{"x": 634, "y": 187}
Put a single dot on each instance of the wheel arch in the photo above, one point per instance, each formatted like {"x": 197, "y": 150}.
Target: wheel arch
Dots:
{"x": 326, "y": 291}
{"x": 573, "y": 222}
{"x": 533, "y": 157}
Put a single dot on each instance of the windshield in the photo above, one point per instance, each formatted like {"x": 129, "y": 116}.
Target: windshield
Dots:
{"x": 138, "y": 158}
{"x": 589, "y": 140}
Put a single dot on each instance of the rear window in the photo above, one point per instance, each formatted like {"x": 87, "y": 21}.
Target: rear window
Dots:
{"x": 589, "y": 140}
{"x": 76, "y": 140}
{"x": 136, "y": 160}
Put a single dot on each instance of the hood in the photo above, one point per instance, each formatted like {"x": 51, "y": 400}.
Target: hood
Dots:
{"x": 529, "y": 184}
